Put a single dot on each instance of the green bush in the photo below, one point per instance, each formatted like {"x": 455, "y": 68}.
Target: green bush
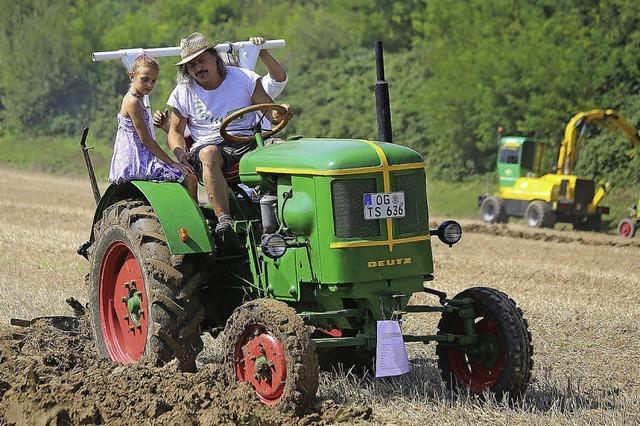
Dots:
{"x": 456, "y": 70}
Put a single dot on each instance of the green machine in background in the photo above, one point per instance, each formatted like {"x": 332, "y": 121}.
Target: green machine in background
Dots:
{"x": 336, "y": 240}
{"x": 521, "y": 157}
{"x": 527, "y": 189}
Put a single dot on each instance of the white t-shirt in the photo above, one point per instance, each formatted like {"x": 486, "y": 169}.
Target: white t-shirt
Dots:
{"x": 273, "y": 87}
{"x": 205, "y": 109}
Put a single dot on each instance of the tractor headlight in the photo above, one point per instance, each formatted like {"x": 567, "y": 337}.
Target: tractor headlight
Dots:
{"x": 449, "y": 232}
{"x": 273, "y": 245}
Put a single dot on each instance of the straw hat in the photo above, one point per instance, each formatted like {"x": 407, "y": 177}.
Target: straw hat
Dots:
{"x": 192, "y": 46}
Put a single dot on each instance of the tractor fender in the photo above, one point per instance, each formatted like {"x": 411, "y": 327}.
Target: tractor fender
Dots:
{"x": 174, "y": 208}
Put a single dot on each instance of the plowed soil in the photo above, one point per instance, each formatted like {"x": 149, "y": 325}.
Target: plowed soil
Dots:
{"x": 51, "y": 375}
{"x": 552, "y": 235}
{"x": 577, "y": 289}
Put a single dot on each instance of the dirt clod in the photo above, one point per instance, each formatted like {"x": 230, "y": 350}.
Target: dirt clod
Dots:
{"x": 78, "y": 309}
{"x": 52, "y": 375}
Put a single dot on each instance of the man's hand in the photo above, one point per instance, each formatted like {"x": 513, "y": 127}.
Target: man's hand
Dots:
{"x": 161, "y": 120}
{"x": 257, "y": 40}
{"x": 277, "y": 117}
{"x": 181, "y": 156}
{"x": 187, "y": 169}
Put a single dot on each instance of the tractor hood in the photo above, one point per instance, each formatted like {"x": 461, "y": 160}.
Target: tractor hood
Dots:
{"x": 322, "y": 157}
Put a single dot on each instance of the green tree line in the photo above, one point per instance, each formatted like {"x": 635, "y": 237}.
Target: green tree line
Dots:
{"x": 456, "y": 70}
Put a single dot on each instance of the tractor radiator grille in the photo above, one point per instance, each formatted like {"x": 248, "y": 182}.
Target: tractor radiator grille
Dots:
{"x": 348, "y": 211}
{"x": 414, "y": 187}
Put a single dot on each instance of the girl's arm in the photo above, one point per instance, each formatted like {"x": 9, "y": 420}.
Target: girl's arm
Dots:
{"x": 177, "y": 144}
{"x": 133, "y": 108}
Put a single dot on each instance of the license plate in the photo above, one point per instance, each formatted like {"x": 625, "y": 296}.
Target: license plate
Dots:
{"x": 381, "y": 205}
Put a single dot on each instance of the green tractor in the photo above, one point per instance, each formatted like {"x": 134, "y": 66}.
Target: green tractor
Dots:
{"x": 338, "y": 242}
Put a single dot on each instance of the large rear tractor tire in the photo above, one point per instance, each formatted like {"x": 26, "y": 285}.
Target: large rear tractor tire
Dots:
{"x": 143, "y": 301}
{"x": 492, "y": 210}
{"x": 501, "y": 361}
{"x": 627, "y": 228}
{"x": 268, "y": 345}
{"x": 539, "y": 214}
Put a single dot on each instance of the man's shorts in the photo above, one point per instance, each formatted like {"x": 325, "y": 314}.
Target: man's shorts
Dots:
{"x": 231, "y": 154}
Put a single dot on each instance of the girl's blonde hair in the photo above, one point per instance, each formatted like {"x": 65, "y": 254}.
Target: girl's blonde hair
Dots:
{"x": 144, "y": 61}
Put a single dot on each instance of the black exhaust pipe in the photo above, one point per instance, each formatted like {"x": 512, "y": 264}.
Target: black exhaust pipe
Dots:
{"x": 383, "y": 109}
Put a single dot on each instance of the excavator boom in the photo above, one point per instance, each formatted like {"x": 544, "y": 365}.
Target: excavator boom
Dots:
{"x": 543, "y": 199}
{"x": 576, "y": 129}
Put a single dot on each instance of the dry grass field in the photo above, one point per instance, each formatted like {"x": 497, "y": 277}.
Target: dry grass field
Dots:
{"x": 580, "y": 296}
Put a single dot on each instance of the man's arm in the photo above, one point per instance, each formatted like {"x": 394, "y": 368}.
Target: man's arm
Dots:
{"x": 177, "y": 143}
{"x": 261, "y": 97}
{"x": 274, "y": 68}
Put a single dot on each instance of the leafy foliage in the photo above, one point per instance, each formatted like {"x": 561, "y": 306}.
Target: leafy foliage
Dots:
{"x": 456, "y": 70}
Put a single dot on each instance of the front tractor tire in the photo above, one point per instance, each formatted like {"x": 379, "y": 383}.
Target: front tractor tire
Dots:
{"x": 268, "y": 345}
{"x": 492, "y": 210}
{"x": 501, "y": 361}
{"x": 143, "y": 301}
{"x": 539, "y": 214}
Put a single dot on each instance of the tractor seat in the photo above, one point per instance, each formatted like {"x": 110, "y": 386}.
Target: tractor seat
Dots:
{"x": 232, "y": 174}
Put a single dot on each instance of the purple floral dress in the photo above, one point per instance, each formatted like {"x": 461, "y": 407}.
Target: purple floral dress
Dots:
{"x": 132, "y": 161}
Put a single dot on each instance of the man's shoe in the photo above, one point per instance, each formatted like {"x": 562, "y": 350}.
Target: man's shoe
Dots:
{"x": 228, "y": 240}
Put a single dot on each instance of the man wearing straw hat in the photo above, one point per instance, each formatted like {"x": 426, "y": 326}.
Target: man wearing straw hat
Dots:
{"x": 273, "y": 82}
{"x": 207, "y": 91}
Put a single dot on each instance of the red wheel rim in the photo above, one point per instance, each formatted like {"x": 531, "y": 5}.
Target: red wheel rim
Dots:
{"x": 260, "y": 360}
{"x": 123, "y": 304}
{"x": 479, "y": 373}
{"x": 625, "y": 229}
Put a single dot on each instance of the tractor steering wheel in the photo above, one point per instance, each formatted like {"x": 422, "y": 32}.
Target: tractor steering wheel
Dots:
{"x": 264, "y": 133}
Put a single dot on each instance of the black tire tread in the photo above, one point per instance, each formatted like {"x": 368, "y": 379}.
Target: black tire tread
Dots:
{"x": 498, "y": 203}
{"x": 174, "y": 321}
{"x": 302, "y": 360}
{"x": 518, "y": 366}
{"x": 546, "y": 212}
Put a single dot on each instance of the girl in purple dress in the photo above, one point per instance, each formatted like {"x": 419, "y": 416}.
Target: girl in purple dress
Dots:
{"x": 136, "y": 155}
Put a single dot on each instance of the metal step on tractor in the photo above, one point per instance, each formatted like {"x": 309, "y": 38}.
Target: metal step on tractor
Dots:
{"x": 336, "y": 245}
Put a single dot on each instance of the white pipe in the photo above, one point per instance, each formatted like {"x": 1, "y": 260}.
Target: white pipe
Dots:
{"x": 247, "y": 52}
{"x": 159, "y": 52}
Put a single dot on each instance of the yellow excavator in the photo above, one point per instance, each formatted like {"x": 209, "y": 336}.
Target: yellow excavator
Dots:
{"x": 545, "y": 199}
